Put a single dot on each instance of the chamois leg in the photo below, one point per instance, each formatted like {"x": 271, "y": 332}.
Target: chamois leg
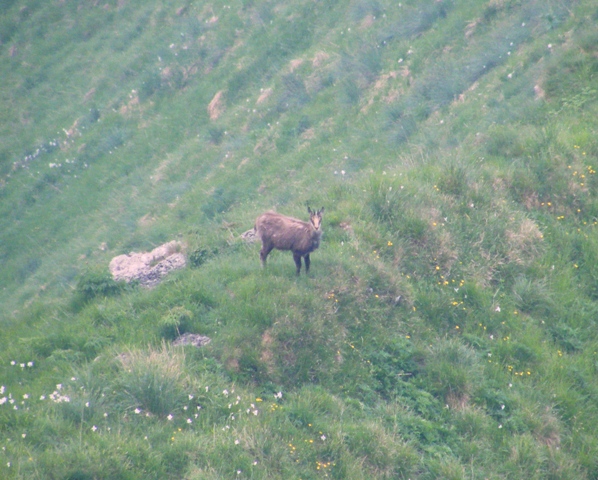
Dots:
{"x": 307, "y": 262}
{"x": 297, "y": 259}
{"x": 266, "y": 249}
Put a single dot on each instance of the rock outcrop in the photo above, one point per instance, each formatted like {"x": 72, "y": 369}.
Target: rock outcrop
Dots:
{"x": 148, "y": 268}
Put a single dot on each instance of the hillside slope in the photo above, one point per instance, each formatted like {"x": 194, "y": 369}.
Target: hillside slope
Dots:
{"x": 447, "y": 327}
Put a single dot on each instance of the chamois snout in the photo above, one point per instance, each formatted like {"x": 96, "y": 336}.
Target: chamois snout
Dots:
{"x": 280, "y": 232}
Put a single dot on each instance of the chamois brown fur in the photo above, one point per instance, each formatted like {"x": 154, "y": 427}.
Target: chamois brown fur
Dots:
{"x": 288, "y": 233}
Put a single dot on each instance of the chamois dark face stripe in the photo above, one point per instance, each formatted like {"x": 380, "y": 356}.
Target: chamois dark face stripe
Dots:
{"x": 316, "y": 220}
{"x": 315, "y": 217}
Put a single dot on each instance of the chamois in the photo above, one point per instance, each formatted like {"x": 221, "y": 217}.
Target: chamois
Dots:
{"x": 288, "y": 233}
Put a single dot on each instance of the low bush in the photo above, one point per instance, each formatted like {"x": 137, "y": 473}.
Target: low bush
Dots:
{"x": 97, "y": 282}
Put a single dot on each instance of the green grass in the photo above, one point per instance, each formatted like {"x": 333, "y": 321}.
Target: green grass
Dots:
{"x": 447, "y": 327}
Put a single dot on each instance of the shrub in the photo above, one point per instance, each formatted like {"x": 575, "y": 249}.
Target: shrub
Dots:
{"x": 176, "y": 322}
{"x": 199, "y": 256}
{"x": 392, "y": 365}
{"x": 97, "y": 282}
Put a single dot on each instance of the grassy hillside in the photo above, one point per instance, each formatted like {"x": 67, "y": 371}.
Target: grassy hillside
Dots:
{"x": 447, "y": 328}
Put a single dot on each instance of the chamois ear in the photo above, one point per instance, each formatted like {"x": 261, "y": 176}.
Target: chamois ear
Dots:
{"x": 321, "y": 210}
{"x": 309, "y": 210}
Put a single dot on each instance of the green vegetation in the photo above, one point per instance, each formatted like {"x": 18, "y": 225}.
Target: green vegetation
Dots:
{"x": 447, "y": 328}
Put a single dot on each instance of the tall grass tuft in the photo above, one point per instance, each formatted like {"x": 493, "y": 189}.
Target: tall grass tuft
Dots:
{"x": 533, "y": 296}
{"x": 151, "y": 380}
{"x": 453, "y": 371}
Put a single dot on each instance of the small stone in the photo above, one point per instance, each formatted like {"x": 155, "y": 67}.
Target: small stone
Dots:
{"x": 192, "y": 339}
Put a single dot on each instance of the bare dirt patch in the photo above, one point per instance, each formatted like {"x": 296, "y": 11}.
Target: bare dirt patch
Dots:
{"x": 216, "y": 106}
{"x": 266, "y": 92}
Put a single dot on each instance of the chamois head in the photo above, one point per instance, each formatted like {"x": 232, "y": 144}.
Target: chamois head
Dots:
{"x": 315, "y": 218}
